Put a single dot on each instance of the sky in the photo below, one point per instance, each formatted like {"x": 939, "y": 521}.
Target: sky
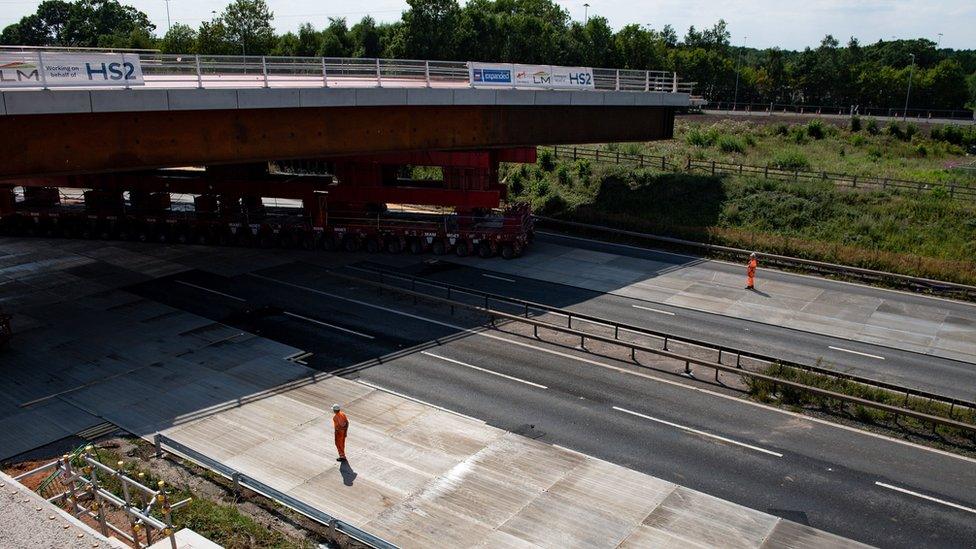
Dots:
{"x": 786, "y": 24}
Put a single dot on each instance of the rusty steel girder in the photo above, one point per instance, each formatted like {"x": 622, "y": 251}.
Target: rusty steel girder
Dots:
{"x": 87, "y": 143}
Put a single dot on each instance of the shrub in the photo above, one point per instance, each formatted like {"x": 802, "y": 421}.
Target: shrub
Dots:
{"x": 816, "y": 129}
{"x": 858, "y": 140}
{"x": 872, "y": 127}
{"x": 553, "y": 204}
{"x": 790, "y": 160}
{"x": 730, "y": 144}
{"x": 921, "y": 150}
{"x": 546, "y": 160}
{"x": 798, "y": 134}
{"x": 750, "y": 140}
{"x": 910, "y": 131}
{"x": 894, "y": 130}
{"x": 516, "y": 182}
{"x": 700, "y": 138}
{"x": 562, "y": 175}
{"x": 875, "y": 154}
{"x": 780, "y": 129}
{"x": 584, "y": 170}
{"x": 855, "y": 123}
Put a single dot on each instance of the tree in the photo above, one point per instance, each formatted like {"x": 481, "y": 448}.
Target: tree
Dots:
{"x": 212, "y": 39}
{"x": 427, "y": 30}
{"x": 179, "y": 39}
{"x": 366, "y": 39}
{"x": 335, "y": 39}
{"x": 88, "y": 23}
{"x": 248, "y": 23}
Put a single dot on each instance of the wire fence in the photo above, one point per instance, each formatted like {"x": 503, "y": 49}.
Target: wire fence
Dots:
{"x": 955, "y": 190}
{"x": 918, "y": 114}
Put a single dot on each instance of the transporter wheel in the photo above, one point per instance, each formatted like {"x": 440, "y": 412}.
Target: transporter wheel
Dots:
{"x": 287, "y": 240}
{"x": 351, "y": 244}
{"x": 329, "y": 243}
{"x": 393, "y": 246}
{"x": 438, "y": 247}
{"x": 308, "y": 241}
{"x": 203, "y": 238}
{"x": 372, "y": 246}
{"x": 485, "y": 251}
{"x": 508, "y": 251}
{"x": 462, "y": 248}
{"x": 416, "y": 246}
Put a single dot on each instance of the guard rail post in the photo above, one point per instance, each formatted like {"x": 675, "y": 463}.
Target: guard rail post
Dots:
{"x": 40, "y": 69}
{"x": 427, "y": 73}
{"x": 199, "y": 72}
{"x": 124, "y": 78}
{"x": 379, "y": 77}
{"x": 264, "y": 70}
{"x": 647, "y": 81}
{"x": 325, "y": 75}
{"x": 616, "y": 86}
{"x": 674, "y": 87}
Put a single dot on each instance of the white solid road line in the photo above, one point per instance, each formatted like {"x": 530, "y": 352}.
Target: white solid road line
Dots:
{"x": 653, "y": 310}
{"x": 498, "y": 277}
{"x": 485, "y": 370}
{"x": 930, "y": 498}
{"x": 843, "y": 350}
{"x": 327, "y": 325}
{"x": 209, "y": 290}
{"x": 697, "y": 432}
{"x": 480, "y": 331}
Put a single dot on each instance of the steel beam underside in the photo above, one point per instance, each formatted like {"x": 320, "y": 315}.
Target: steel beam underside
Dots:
{"x": 64, "y": 144}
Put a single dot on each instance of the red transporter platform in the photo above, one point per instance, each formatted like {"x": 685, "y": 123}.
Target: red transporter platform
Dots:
{"x": 333, "y": 203}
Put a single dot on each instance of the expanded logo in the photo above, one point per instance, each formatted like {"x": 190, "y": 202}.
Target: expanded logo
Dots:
{"x": 492, "y": 76}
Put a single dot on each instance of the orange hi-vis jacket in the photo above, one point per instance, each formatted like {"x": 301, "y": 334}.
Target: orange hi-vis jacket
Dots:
{"x": 341, "y": 424}
{"x": 340, "y": 421}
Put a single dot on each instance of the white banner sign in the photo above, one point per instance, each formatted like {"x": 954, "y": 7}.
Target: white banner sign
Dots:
{"x": 506, "y": 75}
{"x": 30, "y": 69}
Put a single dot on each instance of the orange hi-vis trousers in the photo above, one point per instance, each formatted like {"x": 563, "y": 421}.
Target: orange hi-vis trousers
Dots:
{"x": 751, "y": 273}
{"x": 340, "y": 440}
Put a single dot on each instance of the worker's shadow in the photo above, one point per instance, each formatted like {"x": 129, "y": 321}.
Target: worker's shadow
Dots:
{"x": 348, "y": 475}
{"x": 759, "y": 292}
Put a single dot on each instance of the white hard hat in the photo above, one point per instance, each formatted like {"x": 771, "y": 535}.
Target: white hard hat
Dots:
{"x": 753, "y": 254}
{"x": 335, "y": 407}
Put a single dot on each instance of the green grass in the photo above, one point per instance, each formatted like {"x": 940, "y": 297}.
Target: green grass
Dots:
{"x": 897, "y": 151}
{"x": 928, "y": 235}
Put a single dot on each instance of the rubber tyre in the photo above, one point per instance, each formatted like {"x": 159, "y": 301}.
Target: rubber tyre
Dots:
{"x": 462, "y": 249}
{"x": 438, "y": 247}
{"x": 508, "y": 251}
{"x": 485, "y": 251}
{"x": 372, "y": 246}
{"x": 393, "y": 246}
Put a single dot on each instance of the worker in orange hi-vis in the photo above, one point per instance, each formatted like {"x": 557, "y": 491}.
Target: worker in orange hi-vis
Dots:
{"x": 751, "y": 272}
{"x": 341, "y": 424}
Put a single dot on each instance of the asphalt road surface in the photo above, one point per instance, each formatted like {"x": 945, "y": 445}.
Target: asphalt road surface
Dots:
{"x": 919, "y": 371}
{"x": 866, "y": 487}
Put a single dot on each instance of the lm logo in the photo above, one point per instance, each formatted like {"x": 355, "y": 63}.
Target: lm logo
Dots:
{"x": 19, "y": 72}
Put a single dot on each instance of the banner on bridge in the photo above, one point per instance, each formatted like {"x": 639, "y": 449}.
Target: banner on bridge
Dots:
{"x": 31, "y": 69}
{"x": 507, "y": 75}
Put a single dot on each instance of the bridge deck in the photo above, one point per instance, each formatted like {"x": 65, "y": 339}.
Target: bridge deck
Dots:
{"x": 418, "y": 475}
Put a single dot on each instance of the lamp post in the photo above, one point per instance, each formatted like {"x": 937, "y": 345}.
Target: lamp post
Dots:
{"x": 738, "y": 60}
{"x": 938, "y": 42}
{"x": 169, "y": 24}
{"x": 586, "y": 10}
{"x": 911, "y": 70}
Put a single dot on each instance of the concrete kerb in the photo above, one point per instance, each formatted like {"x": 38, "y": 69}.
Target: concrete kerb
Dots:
{"x": 47, "y": 102}
{"x": 129, "y": 100}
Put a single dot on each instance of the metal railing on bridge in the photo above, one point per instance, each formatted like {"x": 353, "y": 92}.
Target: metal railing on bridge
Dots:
{"x": 166, "y": 70}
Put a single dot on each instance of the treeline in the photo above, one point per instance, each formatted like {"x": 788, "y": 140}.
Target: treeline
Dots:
{"x": 540, "y": 31}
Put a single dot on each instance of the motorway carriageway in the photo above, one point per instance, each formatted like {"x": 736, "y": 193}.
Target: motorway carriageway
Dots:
{"x": 935, "y": 374}
{"x": 867, "y": 487}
